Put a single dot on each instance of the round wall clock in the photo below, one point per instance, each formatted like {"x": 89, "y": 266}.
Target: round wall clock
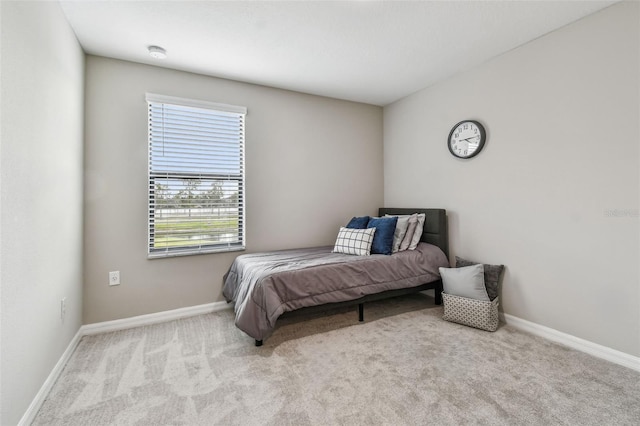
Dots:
{"x": 466, "y": 139}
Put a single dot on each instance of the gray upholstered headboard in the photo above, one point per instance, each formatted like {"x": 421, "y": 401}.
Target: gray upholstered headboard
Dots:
{"x": 435, "y": 225}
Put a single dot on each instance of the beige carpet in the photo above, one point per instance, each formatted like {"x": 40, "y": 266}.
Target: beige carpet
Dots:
{"x": 403, "y": 365}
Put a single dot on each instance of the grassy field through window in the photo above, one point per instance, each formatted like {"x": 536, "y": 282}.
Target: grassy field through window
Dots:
{"x": 179, "y": 231}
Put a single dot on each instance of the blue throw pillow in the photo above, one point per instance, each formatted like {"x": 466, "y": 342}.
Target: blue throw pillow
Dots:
{"x": 383, "y": 238}
{"x": 358, "y": 222}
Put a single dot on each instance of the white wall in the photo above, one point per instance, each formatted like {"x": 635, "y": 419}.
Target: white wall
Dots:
{"x": 41, "y": 188}
{"x": 312, "y": 163}
{"x": 562, "y": 116}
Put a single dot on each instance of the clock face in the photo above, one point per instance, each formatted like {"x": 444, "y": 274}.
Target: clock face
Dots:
{"x": 466, "y": 139}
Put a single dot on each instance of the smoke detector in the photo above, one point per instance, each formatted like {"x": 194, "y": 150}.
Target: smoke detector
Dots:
{"x": 157, "y": 52}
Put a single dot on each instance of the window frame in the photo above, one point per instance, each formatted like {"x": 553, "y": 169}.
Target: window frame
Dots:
{"x": 202, "y": 176}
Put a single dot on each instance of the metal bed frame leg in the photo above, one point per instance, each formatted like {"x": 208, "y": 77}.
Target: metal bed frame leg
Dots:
{"x": 360, "y": 312}
{"x": 438, "y": 293}
{"x": 258, "y": 342}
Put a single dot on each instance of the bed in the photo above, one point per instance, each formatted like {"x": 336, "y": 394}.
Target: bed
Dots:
{"x": 264, "y": 286}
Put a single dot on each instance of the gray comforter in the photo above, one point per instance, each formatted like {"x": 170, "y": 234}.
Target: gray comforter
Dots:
{"x": 265, "y": 285}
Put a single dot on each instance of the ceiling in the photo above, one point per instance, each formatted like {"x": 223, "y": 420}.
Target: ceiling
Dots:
{"x": 364, "y": 51}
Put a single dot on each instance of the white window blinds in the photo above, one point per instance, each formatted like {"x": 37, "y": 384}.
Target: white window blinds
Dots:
{"x": 196, "y": 176}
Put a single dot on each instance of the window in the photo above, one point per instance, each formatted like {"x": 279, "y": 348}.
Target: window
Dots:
{"x": 196, "y": 177}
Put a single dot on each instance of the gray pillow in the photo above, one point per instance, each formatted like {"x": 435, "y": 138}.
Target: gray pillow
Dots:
{"x": 465, "y": 282}
{"x": 408, "y": 236}
{"x": 491, "y": 275}
{"x": 417, "y": 234}
{"x": 401, "y": 230}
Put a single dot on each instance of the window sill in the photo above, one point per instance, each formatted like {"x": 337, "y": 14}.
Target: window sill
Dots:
{"x": 180, "y": 253}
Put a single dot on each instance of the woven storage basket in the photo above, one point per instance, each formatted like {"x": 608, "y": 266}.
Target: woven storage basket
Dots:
{"x": 474, "y": 313}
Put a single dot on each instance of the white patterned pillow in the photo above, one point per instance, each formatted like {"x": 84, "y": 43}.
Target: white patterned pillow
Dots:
{"x": 354, "y": 241}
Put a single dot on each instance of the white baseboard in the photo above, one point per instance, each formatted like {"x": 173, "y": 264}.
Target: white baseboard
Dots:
{"x": 37, "y": 402}
{"x": 599, "y": 351}
{"x": 148, "y": 319}
{"x": 106, "y": 326}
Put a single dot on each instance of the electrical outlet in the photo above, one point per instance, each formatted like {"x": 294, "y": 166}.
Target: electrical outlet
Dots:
{"x": 63, "y": 308}
{"x": 114, "y": 278}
